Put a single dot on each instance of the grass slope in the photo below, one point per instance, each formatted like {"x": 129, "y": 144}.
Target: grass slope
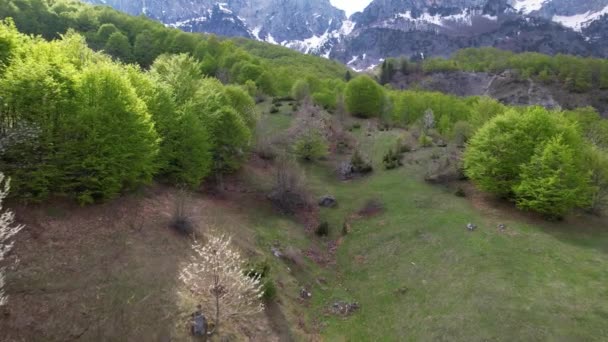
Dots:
{"x": 420, "y": 275}
{"x": 109, "y": 271}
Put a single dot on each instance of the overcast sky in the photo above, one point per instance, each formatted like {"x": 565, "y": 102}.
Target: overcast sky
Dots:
{"x": 351, "y": 6}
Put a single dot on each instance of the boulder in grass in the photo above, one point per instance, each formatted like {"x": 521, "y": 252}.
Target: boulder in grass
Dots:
{"x": 328, "y": 201}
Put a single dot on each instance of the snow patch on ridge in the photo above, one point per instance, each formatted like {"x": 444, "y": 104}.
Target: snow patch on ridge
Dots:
{"x": 465, "y": 17}
{"x": 579, "y": 21}
{"x": 528, "y": 6}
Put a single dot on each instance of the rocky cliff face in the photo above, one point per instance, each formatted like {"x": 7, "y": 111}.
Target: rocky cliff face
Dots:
{"x": 277, "y": 21}
{"x": 392, "y": 28}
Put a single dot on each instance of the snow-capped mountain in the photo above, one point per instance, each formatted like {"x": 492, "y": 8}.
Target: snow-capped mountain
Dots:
{"x": 302, "y": 23}
{"x": 392, "y": 28}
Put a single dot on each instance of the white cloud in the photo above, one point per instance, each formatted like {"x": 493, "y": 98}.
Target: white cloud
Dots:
{"x": 351, "y": 6}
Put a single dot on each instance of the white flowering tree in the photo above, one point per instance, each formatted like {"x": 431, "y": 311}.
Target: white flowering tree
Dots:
{"x": 7, "y": 231}
{"x": 217, "y": 278}
{"x": 428, "y": 120}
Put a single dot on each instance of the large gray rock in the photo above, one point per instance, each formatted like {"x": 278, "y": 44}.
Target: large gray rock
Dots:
{"x": 328, "y": 201}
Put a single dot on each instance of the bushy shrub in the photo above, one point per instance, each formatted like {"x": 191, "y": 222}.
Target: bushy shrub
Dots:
{"x": 462, "y": 132}
{"x": 322, "y": 229}
{"x": 310, "y": 146}
{"x": 326, "y": 100}
{"x": 364, "y": 97}
{"x": 261, "y": 270}
{"x": 425, "y": 141}
{"x": 460, "y": 192}
{"x": 269, "y": 290}
{"x": 391, "y": 160}
{"x": 289, "y": 193}
{"x": 359, "y": 164}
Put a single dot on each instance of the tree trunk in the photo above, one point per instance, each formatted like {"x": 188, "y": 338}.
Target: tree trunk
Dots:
{"x": 217, "y": 314}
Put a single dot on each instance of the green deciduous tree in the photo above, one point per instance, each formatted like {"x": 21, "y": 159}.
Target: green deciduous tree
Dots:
{"x": 300, "y": 90}
{"x": 364, "y": 97}
{"x": 110, "y": 142}
{"x": 181, "y": 72}
{"x": 118, "y": 46}
{"x": 9, "y": 42}
{"x": 144, "y": 49}
{"x": 497, "y": 151}
{"x": 554, "y": 181}
{"x": 243, "y": 103}
{"x": 185, "y": 147}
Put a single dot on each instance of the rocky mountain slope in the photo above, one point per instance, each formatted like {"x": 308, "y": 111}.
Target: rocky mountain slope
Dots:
{"x": 506, "y": 87}
{"x": 391, "y": 28}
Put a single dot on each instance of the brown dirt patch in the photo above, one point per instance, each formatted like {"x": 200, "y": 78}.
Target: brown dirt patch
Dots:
{"x": 109, "y": 271}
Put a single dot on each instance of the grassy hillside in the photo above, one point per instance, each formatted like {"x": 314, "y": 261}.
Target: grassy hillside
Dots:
{"x": 414, "y": 269}
{"x": 205, "y": 135}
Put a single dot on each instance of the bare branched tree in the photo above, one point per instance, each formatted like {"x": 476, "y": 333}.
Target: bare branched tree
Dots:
{"x": 216, "y": 276}
{"x": 7, "y": 231}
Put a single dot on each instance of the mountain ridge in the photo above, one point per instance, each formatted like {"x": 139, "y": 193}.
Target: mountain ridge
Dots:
{"x": 391, "y": 28}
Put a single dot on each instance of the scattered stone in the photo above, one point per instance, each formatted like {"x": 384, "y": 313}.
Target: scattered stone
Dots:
{"x": 199, "y": 325}
{"x": 442, "y": 143}
{"x": 328, "y": 201}
{"x": 471, "y": 227}
{"x": 343, "y": 308}
{"x": 276, "y": 252}
{"x": 345, "y": 170}
{"x": 402, "y": 290}
{"x": 305, "y": 294}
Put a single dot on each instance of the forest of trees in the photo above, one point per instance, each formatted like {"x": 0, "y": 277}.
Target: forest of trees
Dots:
{"x": 140, "y": 40}
{"x": 101, "y": 102}
{"x": 577, "y": 74}
{"x": 79, "y": 124}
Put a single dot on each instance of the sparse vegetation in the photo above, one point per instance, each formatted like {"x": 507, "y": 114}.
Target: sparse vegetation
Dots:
{"x": 289, "y": 193}
{"x": 392, "y": 159}
{"x": 310, "y": 146}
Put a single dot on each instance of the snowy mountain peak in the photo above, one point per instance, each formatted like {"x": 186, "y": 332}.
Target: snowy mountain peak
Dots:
{"x": 391, "y": 28}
